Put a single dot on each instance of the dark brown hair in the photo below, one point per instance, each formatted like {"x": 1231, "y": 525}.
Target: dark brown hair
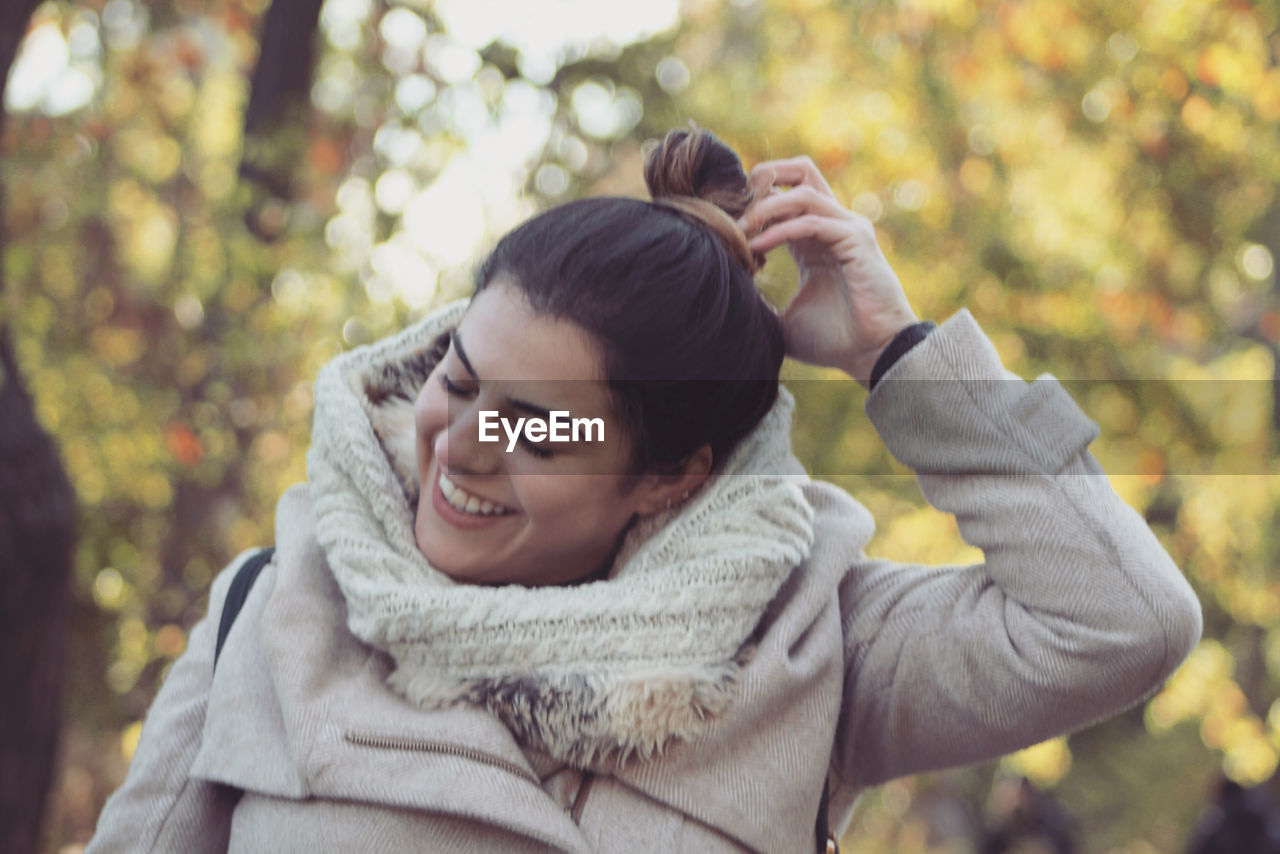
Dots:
{"x": 691, "y": 349}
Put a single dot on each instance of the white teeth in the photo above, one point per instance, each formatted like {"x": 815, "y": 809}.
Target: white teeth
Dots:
{"x": 459, "y": 498}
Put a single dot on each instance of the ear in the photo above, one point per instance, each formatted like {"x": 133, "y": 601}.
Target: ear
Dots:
{"x": 658, "y": 492}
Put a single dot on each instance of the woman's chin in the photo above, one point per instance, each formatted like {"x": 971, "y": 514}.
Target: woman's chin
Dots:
{"x": 429, "y": 544}
{"x": 420, "y": 541}
{"x": 427, "y": 541}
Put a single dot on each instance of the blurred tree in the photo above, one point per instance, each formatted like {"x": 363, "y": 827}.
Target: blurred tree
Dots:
{"x": 37, "y": 527}
{"x": 147, "y": 314}
{"x": 1094, "y": 183}
{"x": 1022, "y": 816}
{"x": 276, "y": 119}
{"x": 1240, "y": 820}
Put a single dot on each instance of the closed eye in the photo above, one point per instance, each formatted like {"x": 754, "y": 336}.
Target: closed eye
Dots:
{"x": 453, "y": 388}
{"x": 536, "y": 449}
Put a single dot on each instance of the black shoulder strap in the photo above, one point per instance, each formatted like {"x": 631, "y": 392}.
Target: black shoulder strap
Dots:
{"x": 240, "y": 586}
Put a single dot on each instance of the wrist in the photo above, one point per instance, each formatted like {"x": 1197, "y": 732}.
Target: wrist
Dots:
{"x": 877, "y": 363}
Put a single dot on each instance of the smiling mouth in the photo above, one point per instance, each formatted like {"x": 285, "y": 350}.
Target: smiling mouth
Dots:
{"x": 465, "y": 502}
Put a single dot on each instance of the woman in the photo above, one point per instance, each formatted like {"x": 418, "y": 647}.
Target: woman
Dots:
{"x": 664, "y": 637}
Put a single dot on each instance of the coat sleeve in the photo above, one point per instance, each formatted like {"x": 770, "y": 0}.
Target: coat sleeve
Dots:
{"x": 159, "y": 807}
{"x": 1077, "y": 613}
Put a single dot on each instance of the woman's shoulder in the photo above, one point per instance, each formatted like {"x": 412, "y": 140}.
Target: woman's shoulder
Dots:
{"x": 294, "y": 505}
{"x": 246, "y": 575}
{"x": 838, "y": 516}
{"x": 841, "y": 529}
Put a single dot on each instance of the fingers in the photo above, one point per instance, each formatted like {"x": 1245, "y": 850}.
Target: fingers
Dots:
{"x": 788, "y": 205}
{"x": 791, "y": 172}
{"x": 808, "y": 210}
{"x": 763, "y": 180}
{"x": 809, "y": 226}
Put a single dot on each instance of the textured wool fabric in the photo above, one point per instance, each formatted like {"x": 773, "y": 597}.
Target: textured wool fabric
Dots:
{"x": 618, "y": 666}
{"x": 863, "y": 669}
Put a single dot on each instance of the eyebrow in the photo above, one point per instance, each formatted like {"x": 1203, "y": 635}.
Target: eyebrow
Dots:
{"x": 456, "y": 340}
{"x": 517, "y": 403}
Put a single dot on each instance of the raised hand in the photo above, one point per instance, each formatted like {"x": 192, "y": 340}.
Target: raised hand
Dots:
{"x": 850, "y": 303}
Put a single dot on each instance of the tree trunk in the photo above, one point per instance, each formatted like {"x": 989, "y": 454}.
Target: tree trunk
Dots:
{"x": 275, "y": 122}
{"x": 37, "y": 518}
{"x": 37, "y": 527}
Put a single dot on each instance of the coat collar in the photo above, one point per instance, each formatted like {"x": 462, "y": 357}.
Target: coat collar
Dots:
{"x": 293, "y": 687}
{"x": 302, "y": 711}
{"x": 606, "y": 669}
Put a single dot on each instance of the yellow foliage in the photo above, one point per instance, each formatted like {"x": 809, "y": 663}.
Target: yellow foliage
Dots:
{"x": 1203, "y": 679}
{"x": 1266, "y": 99}
{"x": 148, "y": 151}
{"x": 975, "y": 175}
{"x": 108, "y": 589}
{"x": 145, "y": 227}
{"x": 1044, "y": 764}
{"x": 1250, "y": 758}
{"x": 129, "y": 739}
{"x": 176, "y": 97}
{"x": 1197, "y": 114}
{"x": 924, "y": 535}
{"x": 170, "y": 641}
{"x": 216, "y": 130}
{"x": 57, "y": 275}
{"x": 153, "y": 490}
{"x": 1090, "y": 182}
{"x": 117, "y": 345}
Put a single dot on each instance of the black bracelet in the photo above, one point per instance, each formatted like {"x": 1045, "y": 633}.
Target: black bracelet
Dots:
{"x": 898, "y": 347}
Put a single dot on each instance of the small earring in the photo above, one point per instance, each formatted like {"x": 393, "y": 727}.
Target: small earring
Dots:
{"x": 668, "y": 503}
{"x": 686, "y": 495}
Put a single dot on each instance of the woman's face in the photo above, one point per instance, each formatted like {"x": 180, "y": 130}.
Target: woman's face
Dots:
{"x": 556, "y": 511}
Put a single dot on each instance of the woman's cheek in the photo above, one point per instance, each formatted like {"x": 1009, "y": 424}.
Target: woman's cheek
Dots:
{"x": 431, "y": 409}
{"x": 542, "y": 497}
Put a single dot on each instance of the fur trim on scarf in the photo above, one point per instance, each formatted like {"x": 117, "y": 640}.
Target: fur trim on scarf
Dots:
{"x": 600, "y": 670}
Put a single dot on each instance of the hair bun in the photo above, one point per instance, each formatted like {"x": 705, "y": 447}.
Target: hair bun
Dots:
{"x": 693, "y": 172}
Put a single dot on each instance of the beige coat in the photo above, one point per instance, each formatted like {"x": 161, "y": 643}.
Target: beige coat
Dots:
{"x": 865, "y": 670}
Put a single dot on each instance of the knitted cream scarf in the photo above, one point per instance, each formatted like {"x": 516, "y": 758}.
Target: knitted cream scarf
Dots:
{"x": 593, "y": 671}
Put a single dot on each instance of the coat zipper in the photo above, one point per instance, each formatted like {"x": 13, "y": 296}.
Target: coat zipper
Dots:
{"x": 390, "y": 742}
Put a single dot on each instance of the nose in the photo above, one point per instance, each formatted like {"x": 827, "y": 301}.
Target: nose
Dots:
{"x": 458, "y": 447}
